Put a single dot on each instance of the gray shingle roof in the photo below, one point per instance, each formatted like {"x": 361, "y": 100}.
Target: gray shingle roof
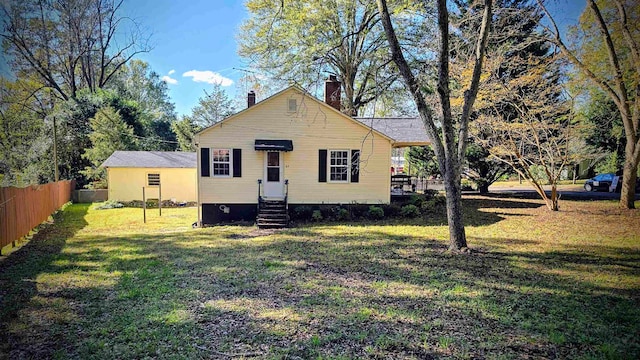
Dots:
{"x": 405, "y": 131}
{"x": 151, "y": 159}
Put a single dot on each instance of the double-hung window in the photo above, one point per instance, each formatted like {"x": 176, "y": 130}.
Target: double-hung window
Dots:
{"x": 221, "y": 162}
{"x": 339, "y": 166}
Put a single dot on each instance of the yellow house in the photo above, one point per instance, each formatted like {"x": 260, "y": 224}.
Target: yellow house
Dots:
{"x": 286, "y": 151}
{"x": 169, "y": 175}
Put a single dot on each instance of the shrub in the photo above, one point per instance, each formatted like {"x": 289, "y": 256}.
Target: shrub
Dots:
{"x": 358, "y": 210}
{"x": 109, "y": 204}
{"x": 437, "y": 203}
{"x": 316, "y": 215}
{"x": 391, "y": 210}
{"x": 302, "y": 213}
{"x": 440, "y": 201}
{"x": 430, "y": 194}
{"x": 375, "y": 213}
{"x": 409, "y": 211}
{"x": 154, "y": 203}
{"x": 325, "y": 211}
{"x": 417, "y": 200}
{"x": 342, "y": 214}
{"x": 428, "y": 207}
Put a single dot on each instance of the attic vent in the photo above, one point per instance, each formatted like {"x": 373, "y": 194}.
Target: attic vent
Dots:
{"x": 293, "y": 105}
{"x": 153, "y": 179}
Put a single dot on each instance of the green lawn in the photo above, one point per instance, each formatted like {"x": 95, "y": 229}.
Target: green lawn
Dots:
{"x": 562, "y": 184}
{"x": 538, "y": 285}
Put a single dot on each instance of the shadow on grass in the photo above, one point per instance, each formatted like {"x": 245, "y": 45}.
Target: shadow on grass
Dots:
{"x": 307, "y": 293}
{"x": 19, "y": 271}
{"x": 473, "y": 214}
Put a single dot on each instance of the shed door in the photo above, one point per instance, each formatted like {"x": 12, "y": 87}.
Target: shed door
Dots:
{"x": 273, "y": 175}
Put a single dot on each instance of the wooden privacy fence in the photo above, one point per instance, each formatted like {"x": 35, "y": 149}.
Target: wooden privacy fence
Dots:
{"x": 22, "y": 209}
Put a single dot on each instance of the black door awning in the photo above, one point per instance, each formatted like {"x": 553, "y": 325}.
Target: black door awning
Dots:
{"x": 274, "y": 145}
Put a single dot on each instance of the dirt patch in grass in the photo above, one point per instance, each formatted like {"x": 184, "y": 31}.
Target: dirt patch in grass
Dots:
{"x": 536, "y": 285}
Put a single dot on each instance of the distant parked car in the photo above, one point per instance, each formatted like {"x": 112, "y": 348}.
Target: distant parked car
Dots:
{"x": 603, "y": 182}
{"x": 600, "y": 182}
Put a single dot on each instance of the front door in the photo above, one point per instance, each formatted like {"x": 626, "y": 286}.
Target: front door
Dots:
{"x": 273, "y": 175}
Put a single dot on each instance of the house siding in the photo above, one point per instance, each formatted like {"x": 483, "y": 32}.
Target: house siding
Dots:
{"x": 125, "y": 184}
{"x": 313, "y": 127}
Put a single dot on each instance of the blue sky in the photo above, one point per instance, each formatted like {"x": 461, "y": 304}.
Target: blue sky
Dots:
{"x": 194, "y": 42}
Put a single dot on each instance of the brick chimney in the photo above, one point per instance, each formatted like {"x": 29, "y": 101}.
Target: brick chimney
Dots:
{"x": 332, "y": 92}
{"x": 251, "y": 99}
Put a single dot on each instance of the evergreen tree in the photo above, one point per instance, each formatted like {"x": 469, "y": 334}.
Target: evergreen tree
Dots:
{"x": 184, "y": 130}
{"x": 513, "y": 43}
{"x": 423, "y": 161}
{"x": 604, "y": 132}
{"x": 212, "y": 107}
{"x": 110, "y": 133}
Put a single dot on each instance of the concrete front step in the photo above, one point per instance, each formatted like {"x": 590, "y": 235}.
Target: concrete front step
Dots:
{"x": 272, "y": 202}
{"x": 272, "y": 211}
{"x": 273, "y": 208}
{"x": 270, "y": 221}
{"x": 273, "y": 224}
{"x": 272, "y": 214}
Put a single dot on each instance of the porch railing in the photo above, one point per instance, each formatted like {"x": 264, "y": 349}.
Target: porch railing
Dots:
{"x": 286, "y": 194}
{"x": 406, "y": 183}
{"x": 259, "y": 193}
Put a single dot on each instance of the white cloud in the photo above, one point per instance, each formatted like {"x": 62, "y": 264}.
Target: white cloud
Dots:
{"x": 171, "y": 71}
{"x": 208, "y": 77}
{"x": 169, "y": 80}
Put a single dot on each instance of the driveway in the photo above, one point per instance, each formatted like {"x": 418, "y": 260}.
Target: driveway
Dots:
{"x": 568, "y": 192}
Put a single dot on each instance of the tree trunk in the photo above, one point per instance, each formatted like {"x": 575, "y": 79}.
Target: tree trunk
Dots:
{"x": 457, "y": 237}
{"x": 552, "y": 203}
{"x": 483, "y": 187}
{"x": 445, "y": 147}
{"x": 629, "y": 177}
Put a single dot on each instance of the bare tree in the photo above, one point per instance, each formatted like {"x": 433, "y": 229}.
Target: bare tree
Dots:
{"x": 450, "y": 147}
{"x": 538, "y": 142}
{"x": 70, "y": 44}
{"x": 619, "y": 37}
{"x": 305, "y": 39}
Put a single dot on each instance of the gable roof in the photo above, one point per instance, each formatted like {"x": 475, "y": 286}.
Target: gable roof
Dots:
{"x": 297, "y": 88}
{"x": 405, "y": 131}
{"x": 151, "y": 159}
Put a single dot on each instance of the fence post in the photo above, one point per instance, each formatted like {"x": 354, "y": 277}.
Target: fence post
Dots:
{"x": 144, "y": 207}
{"x": 160, "y": 198}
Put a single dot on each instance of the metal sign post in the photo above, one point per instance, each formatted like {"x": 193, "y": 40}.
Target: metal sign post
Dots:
{"x": 144, "y": 206}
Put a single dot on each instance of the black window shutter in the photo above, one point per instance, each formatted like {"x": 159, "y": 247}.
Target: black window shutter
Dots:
{"x": 237, "y": 162}
{"x": 322, "y": 165}
{"x": 355, "y": 166}
{"x": 205, "y": 163}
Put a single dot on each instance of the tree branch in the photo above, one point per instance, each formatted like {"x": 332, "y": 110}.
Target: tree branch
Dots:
{"x": 471, "y": 93}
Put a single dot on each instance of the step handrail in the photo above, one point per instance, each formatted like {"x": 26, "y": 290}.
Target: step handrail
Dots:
{"x": 286, "y": 195}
